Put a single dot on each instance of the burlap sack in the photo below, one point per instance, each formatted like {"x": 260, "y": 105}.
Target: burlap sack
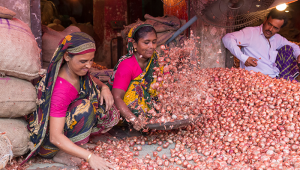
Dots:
{"x": 160, "y": 27}
{"x": 164, "y": 23}
{"x": 18, "y": 134}
{"x": 6, "y": 13}
{"x": 5, "y": 150}
{"x": 20, "y": 54}
{"x": 163, "y": 37}
{"x": 51, "y": 39}
{"x": 127, "y": 28}
{"x": 18, "y": 97}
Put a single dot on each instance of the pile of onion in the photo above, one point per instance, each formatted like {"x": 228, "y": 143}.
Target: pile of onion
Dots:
{"x": 249, "y": 121}
{"x": 180, "y": 84}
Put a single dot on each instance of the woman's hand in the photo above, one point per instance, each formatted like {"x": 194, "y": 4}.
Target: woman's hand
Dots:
{"x": 99, "y": 163}
{"x": 137, "y": 123}
{"x": 107, "y": 96}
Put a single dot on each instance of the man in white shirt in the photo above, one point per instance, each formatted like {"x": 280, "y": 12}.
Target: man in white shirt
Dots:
{"x": 265, "y": 51}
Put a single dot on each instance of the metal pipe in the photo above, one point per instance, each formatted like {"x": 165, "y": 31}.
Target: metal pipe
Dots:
{"x": 189, "y": 17}
{"x": 188, "y": 24}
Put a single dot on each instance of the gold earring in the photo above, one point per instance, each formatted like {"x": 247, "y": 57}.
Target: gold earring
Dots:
{"x": 135, "y": 50}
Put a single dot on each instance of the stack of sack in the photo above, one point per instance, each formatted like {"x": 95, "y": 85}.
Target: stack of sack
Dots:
{"x": 19, "y": 64}
{"x": 165, "y": 27}
{"x": 51, "y": 39}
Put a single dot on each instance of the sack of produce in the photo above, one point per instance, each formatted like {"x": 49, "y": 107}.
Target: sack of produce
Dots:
{"x": 18, "y": 134}
{"x": 163, "y": 37}
{"x": 51, "y": 39}
{"x": 165, "y": 23}
{"x": 6, "y": 13}
{"x": 5, "y": 150}
{"x": 18, "y": 97}
{"x": 159, "y": 26}
{"x": 20, "y": 54}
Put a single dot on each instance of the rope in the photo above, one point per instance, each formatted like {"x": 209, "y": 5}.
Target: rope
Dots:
{"x": 41, "y": 72}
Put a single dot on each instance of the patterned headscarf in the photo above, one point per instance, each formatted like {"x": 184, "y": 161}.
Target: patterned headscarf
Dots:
{"x": 131, "y": 34}
{"x": 75, "y": 44}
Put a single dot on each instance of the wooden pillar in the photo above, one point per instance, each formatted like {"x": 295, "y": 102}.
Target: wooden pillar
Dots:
{"x": 212, "y": 52}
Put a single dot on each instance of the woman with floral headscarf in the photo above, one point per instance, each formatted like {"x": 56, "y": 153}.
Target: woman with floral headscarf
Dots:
{"x": 133, "y": 75}
{"x": 68, "y": 109}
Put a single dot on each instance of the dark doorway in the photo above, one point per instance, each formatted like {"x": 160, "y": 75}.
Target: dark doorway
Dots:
{"x": 81, "y": 10}
{"x": 138, "y": 8}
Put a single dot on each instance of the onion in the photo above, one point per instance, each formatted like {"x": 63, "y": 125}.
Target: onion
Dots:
{"x": 239, "y": 119}
{"x": 136, "y": 153}
{"x": 159, "y": 162}
{"x": 139, "y": 148}
{"x": 166, "y": 163}
{"x": 164, "y": 156}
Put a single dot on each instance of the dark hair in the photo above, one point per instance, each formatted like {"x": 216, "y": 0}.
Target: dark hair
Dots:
{"x": 140, "y": 33}
{"x": 275, "y": 14}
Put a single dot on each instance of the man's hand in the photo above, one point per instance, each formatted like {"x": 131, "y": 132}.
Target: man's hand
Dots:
{"x": 253, "y": 62}
{"x": 106, "y": 95}
{"x": 298, "y": 59}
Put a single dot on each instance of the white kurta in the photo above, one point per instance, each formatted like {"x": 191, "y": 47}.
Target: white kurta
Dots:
{"x": 255, "y": 44}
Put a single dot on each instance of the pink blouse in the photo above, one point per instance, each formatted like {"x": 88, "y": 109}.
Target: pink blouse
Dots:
{"x": 127, "y": 71}
{"x": 62, "y": 96}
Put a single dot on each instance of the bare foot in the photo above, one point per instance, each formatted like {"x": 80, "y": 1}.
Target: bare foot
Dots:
{"x": 64, "y": 158}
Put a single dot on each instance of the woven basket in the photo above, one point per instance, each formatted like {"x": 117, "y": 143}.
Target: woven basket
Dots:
{"x": 6, "y": 153}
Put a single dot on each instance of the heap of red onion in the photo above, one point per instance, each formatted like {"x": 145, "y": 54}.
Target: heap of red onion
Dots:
{"x": 249, "y": 120}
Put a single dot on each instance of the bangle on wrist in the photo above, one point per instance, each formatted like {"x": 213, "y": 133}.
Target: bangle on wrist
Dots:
{"x": 104, "y": 87}
{"x": 89, "y": 157}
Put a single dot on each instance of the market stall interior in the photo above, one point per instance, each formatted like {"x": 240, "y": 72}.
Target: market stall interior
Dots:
{"x": 207, "y": 111}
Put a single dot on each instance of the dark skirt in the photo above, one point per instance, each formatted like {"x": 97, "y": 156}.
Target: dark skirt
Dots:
{"x": 287, "y": 64}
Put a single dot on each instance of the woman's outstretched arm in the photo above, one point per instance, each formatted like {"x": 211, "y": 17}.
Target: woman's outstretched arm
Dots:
{"x": 118, "y": 95}
{"x": 58, "y": 138}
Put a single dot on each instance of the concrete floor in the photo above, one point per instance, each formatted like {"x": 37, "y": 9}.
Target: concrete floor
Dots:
{"x": 116, "y": 134}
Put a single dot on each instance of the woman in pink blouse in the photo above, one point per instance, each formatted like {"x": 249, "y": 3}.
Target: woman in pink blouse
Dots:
{"x": 69, "y": 110}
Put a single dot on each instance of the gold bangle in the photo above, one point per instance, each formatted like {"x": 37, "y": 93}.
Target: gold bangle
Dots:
{"x": 88, "y": 159}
